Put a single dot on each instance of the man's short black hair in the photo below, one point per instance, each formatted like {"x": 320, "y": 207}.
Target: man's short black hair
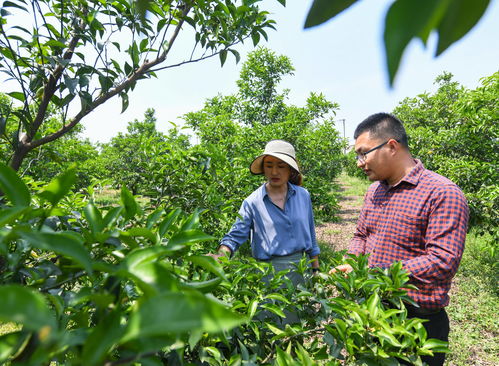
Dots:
{"x": 383, "y": 126}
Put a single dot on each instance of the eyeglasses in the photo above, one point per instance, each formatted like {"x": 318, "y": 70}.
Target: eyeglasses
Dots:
{"x": 361, "y": 157}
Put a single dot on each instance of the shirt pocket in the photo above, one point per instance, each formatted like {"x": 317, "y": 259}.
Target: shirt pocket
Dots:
{"x": 408, "y": 231}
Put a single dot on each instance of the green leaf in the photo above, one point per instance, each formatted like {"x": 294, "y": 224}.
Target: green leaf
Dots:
{"x": 143, "y": 232}
{"x": 13, "y": 186}
{"x": 168, "y": 221}
{"x": 17, "y": 95}
{"x": 373, "y": 304}
{"x": 52, "y": 43}
{"x": 153, "y": 218}
{"x": 214, "y": 352}
{"x": 388, "y": 337}
{"x": 10, "y": 343}
{"x": 277, "y": 297}
{"x": 192, "y": 222}
{"x": 3, "y": 125}
{"x": 323, "y": 10}
{"x": 208, "y": 263}
{"x": 252, "y": 307}
{"x": 124, "y": 100}
{"x": 188, "y": 237}
{"x": 274, "y": 309}
{"x": 9, "y": 214}
{"x": 203, "y": 286}
{"x": 68, "y": 244}
{"x": 405, "y": 20}
{"x": 102, "y": 339}
{"x": 179, "y": 313}
{"x": 436, "y": 345}
{"x": 236, "y": 55}
{"x": 255, "y": 37}
{"x": 59, "y": 186}
{"x": 14, "y": 5}
{"x": 223, "y": 56}
{"x": 27, "y": 307}
{"x": 144, "y": 255}
{"x": 71, "y": 84}
{"x": 129, "y": 203}
{"x": 94, "y": 218}
{"x": 460, "y": 17}
{"x": 111, "y": 216}
{"x": 85, "y": 99}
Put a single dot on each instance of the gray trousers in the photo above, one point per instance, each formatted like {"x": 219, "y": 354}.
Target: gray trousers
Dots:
{"x": 281, "y": 264}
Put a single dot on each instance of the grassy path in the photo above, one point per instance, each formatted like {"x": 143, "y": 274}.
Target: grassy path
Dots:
{"x": 473, "y": 310}
{"x": 337, "y": 235}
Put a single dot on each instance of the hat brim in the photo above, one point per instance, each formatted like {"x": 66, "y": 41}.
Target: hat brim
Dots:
{"x": 256, "y": 166}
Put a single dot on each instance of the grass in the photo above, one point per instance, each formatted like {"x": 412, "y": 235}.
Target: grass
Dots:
{"x": 109, "y": 197}
{"x": 354, "y": 186}
{"x": 474, "y": 337}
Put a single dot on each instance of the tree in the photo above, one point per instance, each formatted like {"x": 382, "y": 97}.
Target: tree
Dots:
{"x": 91, "y": 51}
{"x": 454, "y": 132}
{"x": 131, "y": 159}
{"x": 46, "y": 162}
{"x": 408, "y": 19}
{"x": 239, "y": 125}
{"x": 259, "y": 78}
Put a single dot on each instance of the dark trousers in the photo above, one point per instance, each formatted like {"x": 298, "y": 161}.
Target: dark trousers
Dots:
{"x": 437, "y": 327}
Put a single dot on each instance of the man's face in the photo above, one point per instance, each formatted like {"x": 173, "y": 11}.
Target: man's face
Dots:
{"x": 376, "y": 163}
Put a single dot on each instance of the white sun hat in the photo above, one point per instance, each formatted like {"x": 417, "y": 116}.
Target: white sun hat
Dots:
{"x": 279, "y": 149}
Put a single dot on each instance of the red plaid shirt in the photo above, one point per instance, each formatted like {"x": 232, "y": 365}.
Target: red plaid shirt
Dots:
{"x": 421, "y": 221}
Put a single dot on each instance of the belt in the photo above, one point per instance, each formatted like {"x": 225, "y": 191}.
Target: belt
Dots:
{"x": 301, "y": 252}
{"x": 422, "y": 311}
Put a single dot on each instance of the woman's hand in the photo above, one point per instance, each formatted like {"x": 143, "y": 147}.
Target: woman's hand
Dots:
{"x": 223, "y": 250}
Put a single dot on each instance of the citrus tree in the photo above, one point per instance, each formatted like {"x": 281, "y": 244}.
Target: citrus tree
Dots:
{"x": 73, "y": 56}
{"x": 454, "y": 132}
{"x": 126, "y": 285}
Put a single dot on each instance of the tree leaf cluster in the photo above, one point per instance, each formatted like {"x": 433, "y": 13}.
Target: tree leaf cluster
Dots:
{"x": 125, "y": 284}
{"x": 80, "y": 54}
{"x": 455, "y": 132}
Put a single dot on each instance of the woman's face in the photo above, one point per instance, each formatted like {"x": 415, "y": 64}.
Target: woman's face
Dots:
{"x": 276, "y": 171}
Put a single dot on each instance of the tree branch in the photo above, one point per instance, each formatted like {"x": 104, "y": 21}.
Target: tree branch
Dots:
{"x": 140, "y": 72}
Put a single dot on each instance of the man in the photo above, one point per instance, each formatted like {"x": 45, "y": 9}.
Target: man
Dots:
{"x": 412, "y": 215}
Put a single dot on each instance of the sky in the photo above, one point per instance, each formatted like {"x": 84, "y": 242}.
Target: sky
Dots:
{"x": 343, "y": 59}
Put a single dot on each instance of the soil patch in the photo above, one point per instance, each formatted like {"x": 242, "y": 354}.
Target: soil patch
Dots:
{"x": 338, "y": 234}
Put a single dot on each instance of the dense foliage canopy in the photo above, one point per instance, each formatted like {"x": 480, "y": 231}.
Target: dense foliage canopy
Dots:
{"x": 71, "y": 52}
{"x": 455, "y": 132}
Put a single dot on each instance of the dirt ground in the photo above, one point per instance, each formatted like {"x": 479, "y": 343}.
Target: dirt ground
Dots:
{"x": 338, "y": 234}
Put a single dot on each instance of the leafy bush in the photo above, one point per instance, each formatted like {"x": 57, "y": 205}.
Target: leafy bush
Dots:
{"x": 454, "y": 132}
{"x": 350, "y": 165}
{"x": 120, "y": 284}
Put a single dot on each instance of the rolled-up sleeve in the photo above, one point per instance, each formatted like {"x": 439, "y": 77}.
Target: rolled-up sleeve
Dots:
{"x": 315, "y": 248}
{"x": 239, "y": 233}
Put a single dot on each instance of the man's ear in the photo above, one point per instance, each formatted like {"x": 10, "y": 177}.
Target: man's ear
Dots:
{"x": 394, "y": 145}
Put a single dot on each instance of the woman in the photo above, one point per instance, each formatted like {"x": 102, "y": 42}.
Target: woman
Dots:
{"x": 277, "y": 217}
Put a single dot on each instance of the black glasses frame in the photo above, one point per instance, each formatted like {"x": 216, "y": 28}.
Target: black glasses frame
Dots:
{"x": 362, "y": 156}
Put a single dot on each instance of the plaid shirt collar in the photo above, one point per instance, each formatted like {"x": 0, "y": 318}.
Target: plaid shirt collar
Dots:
{"x": 412, "y": 177}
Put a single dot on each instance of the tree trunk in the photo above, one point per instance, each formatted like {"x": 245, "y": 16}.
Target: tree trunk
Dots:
{"x": 19, "y": 155}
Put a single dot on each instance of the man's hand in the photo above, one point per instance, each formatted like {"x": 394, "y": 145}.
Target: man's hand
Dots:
{"x": 345, "y": 268}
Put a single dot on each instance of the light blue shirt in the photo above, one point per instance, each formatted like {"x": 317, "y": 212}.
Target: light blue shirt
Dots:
{"x": 275, "y": 232}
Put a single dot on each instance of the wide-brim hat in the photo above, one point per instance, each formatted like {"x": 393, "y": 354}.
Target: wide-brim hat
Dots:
{"x": 279, "y": 149}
